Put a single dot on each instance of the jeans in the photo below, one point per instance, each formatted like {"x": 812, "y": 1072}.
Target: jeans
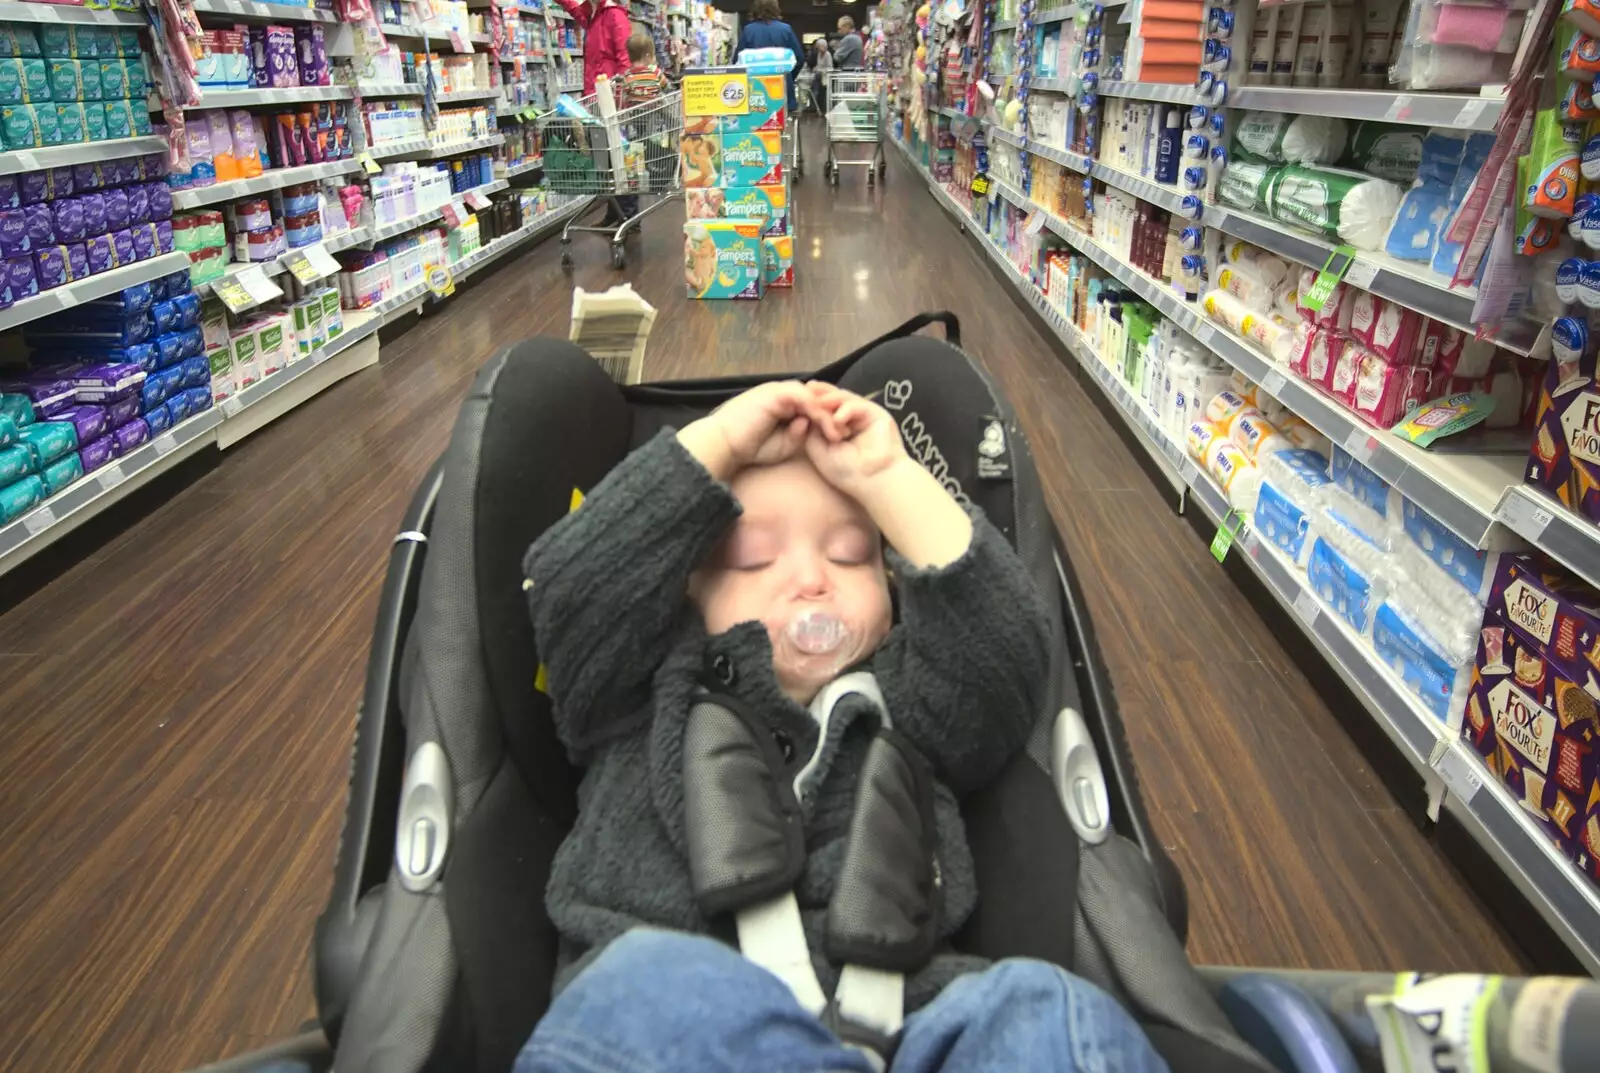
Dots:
{"x": 663, "y": 1002}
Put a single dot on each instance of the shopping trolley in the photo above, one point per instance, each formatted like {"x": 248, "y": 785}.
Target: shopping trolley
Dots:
{"x": 856, "y": 110}
{"x": 592, "y": 148}
{"x": 794, "y": 157}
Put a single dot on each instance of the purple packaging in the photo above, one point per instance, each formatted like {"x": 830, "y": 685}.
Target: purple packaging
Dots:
{"x": 14, "y": 233}
{"x": 66, "y": 220}
{"x": 260, "y": 70}
{"x": 160, "y": 200}
{"x": 90, "y": 421}
{"x": 50, "y": 266}
{"x": 127, "y": 436}
{"x": 49, "y": 396}
{"x": 158, "y": 418}
{"x": 116, "y": 209}
{"x": 121, "y": 247}
{"x": 311, "y": 52}
{"x": 139, "y": 204}
{"x": 86, "y": 177}
{"x": 163, "y": 236}
{"x": 94, "y": 213}
{"x": 33, "y": 187}
{"x": 123, "y": 411}
{"x": 41, "y": 224}
{"x": 144, "y": 241}
{"x": 10, "y": 197}
{"x": 77, "y": 261}
{"x": 107, "y": 383}
{"x": 96, "y": 453}
{"x": 60, "y": 183}
{"x": 282, "y": 70}
{"x": 22, "y": 278}
{"x": 99, "y": 254}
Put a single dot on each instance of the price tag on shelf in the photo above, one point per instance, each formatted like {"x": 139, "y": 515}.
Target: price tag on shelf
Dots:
{"x": 1524, "y": 516}
{"x": 233, "y": 294}
{"x": 1273, "y": 383}
{"x": 1359, "y": 445}
{"x": 231, "y": 406}
{"x": 1468, "y": 116}
{"x": 477, "y": 201}
{"x": 38, "y": 520}
{"x": 1456, "y": 770}
{"x": 111, "y": 476}
{"x": 1361, "y": 274}
{"x": 1399, "y": 109}
{"x": 1035, "y": 223}
{"x": 300, "y": 267}
{"x": 454, "y": 213}
{"x": 371, "y": 166}
{"x": 980, "y": 185}
{"x": 255, "y": 282}
{"x": 1205, "y": 333}
{"x": 28, "y": 161}
{"x": 1252, "y": 546}
{"x": 67, "y": 297}
{"x": 321, "y": 260}
{"x": 1305, "y": 605}
{"x": 165, "y": 444}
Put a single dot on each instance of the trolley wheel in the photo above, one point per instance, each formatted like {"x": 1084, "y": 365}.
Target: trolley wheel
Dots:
{"x": 883, "y": 169}
{"x": 835, "y": 176}
{"x": 872, "y": 180}
{"x": 619, "y": 256}
{"x": 566, "y": 260}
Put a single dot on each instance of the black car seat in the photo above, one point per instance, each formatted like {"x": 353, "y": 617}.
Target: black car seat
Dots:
{"x": 435, "y": 951}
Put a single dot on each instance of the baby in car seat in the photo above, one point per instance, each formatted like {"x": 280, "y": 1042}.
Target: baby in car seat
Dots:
{"x": 746, "y": 554}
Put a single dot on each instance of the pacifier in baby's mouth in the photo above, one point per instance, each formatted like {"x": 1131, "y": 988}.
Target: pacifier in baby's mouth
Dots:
{"x": 817, "y": 632}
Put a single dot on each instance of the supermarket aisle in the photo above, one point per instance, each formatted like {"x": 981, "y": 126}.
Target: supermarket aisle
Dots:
{"x": 176, "y": 709}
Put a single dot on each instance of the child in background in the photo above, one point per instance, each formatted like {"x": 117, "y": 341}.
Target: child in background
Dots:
{"x": 644, "y": 82}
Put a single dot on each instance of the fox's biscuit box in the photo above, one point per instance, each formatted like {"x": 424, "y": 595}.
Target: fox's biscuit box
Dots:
{"x": 1565, "y": 455}
{"x": 1533, "y": 712}
{"x": 777, "y": 261}
{"x": 722, "y": 259}
{"x": 769, "y": 204}
{"x": 751, "y": 159}
{"x": 767, "y": 107}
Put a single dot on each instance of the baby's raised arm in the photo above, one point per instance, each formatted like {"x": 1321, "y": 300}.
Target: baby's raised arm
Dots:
{"x": 971, "y": 652}
{"x": 607, "y": 584}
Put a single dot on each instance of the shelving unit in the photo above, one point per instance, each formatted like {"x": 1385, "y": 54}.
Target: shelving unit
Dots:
{"x": 249, "y": 9}
{"x": 19, "y": 12}
{"x": 260, "y": 98}
{"x": 60, "y": 299}
{"x": 1462, "y": 491}
{"x": 17, "y": 161}
{"x": 275, "y": 179}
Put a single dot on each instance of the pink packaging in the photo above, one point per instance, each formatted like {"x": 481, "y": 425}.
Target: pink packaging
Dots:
{"x": 1346, "y": 367}
{"x": 1335, "y": 312}
{"x": 1322, "y": 357}
{"x": 1388, "y": 329}
{"x": 1306, "y": 339}
{"x": 1384, "y": 393}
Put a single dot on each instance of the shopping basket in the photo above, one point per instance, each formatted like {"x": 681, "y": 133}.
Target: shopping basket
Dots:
{"x": 592, "y": 147}
{"x": 856, "y": 109}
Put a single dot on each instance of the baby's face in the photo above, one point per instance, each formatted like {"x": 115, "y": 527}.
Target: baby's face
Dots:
{"x": 806, "y": 562}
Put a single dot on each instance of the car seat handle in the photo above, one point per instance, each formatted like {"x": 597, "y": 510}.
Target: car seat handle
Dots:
{"x": 1079, "y": 782}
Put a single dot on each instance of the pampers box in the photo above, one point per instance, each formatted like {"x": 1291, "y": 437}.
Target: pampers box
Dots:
{"x": 722, "y": 259}
{"x": 769, "y": 204}
{"x": 777, "y": 261}
{"x": 751, "y": 159}
{"x": 768, "y": 110}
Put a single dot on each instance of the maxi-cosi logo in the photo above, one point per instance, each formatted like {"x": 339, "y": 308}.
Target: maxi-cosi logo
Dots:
{"x": 920, "y": 445}
{"x": 1531, "y": 609}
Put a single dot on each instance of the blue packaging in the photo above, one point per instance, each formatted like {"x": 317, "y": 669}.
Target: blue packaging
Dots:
{"x": 178, "y": 283}
{"x": 154, "y": 392}
{"x": 169, "y": 350}
{"x": 188, "y": 310}
{"x": 59, "y": 474}
{"x": 171, "y": 380}
{"x": 16, "y": 462}
{"x": 1340, "y": 583}
{"x": 1431, "y": 675}
{"x": 1472, "y": 569}
{"x": 165, "y": 315}
{"x": 1361, "y": 482}
{"x": 191, "y": 342}
{"x": 8, "y": 432}
{"x": 10, "y": 195}
{"x": 20, "y": 497}
{"x": 196, "y": 372}
{"x": 1281, "y": 522}
{"x": 66, "y": 334}
{"x": 158, "y": 417}
{"x": 180, "y": 406}
{"x": 198, "y": 399}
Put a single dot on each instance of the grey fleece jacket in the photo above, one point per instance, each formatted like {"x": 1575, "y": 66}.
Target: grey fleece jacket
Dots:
{"x": 963, "y": 675}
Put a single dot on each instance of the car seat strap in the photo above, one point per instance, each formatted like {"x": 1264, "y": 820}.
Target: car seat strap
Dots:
{"x": 772, "y": 935}
{"x": 824, "y": 704}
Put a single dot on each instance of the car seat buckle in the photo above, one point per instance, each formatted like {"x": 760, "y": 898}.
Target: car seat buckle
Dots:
{"x": 1079, "y": 781}
{"x": 878, "y": 1046}
{"x": 422, "y": 834}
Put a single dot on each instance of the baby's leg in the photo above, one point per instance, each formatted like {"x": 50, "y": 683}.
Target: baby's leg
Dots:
{"x": 1024, "y": 1016}
{"x": 665, "y": 1002}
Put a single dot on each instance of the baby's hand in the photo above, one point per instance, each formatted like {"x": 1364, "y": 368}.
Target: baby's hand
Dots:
{"x": 759, "y": 427}
{"x": 852, "y": 440}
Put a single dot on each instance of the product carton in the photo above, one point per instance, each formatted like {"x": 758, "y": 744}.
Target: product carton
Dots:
{"x": 722, "y": 259}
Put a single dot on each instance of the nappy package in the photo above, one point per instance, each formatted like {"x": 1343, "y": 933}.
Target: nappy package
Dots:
{"x": 722, "y": 259}
{"x": 751, "y": 159}
{"x": 777, "y": 261}
{"x": 768, "y": 204}
{"x": 769, "y": 111}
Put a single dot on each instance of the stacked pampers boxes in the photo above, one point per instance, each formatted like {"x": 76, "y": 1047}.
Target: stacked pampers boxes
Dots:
{"x": 740, "y": 238}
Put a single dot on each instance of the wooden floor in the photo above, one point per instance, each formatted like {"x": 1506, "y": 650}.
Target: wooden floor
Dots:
{"x": 176, "y": 709}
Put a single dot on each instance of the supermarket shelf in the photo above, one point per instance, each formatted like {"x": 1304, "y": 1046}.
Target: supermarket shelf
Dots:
{"x": 17, "y": 12}
{"x": 462, "y": 96}
{"x": 405, "y": 147}
{"x": 1153, "y": 91}
{"x": 389, "y": 89}
{"x": 358, "y": 325}
{"x": 1049, "y": 85}
{"x": 276, "y": 12}
{"x": 497, "y": 249}
{"x": 462, "y": 147}
{"x": 65, "y": 511}
{"x": 260, "y": 98}
{"x": 56, "y": 156}
{"x": 372, "y": 235}
{"x": 1563, "y": 897}
{"x": 270, "y": 180}
{"x": 278, "y": 266}
{"x": 1560, "y": 532}
{"x": 522, "y": 169}
{"x": 1462, "y": 111}
{"x": 432, "y": 33}
{"x": 89, "y": 288}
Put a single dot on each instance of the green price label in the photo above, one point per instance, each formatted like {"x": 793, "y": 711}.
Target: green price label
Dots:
{"x": 1332, "y": 271}
{"x": 1232, "y": 526}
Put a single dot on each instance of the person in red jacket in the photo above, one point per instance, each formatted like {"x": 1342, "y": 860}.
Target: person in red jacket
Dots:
{"x": 606, "y": 30}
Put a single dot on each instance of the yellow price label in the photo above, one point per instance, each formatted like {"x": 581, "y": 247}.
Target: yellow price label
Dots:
{"x": 302, "y": 269}
{"x": 369, "y": 164}
{"x": 440, "y": 281}
{"x": 724, "y": 93}
{"x": 233, "y": 294}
